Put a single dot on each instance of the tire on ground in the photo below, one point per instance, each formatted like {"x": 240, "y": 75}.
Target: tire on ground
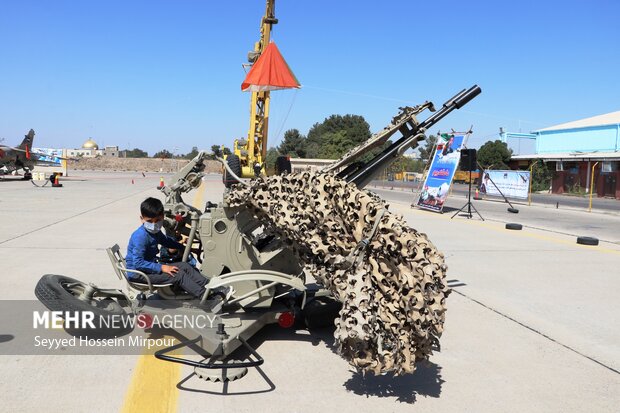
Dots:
{"x": 587, "y": 240}
{"x": 110, "y": 319}
{"x": 513, "y": 210}
{"x": 514, "y": 226}
{"x": 234, "y": 163}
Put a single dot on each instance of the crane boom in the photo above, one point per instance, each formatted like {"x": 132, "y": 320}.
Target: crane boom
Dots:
{"x": 253, "y": 150}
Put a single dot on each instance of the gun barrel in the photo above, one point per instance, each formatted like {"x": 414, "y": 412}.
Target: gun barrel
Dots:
{"x": 366, "y": 173}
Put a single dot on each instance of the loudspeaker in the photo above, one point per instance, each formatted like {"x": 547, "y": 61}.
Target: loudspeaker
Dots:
{"x": 468, "y": 160}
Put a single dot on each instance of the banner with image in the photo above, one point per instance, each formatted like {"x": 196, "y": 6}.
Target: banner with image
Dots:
{"x": 513, "y": 184}
{"x": 48, "y": 155}
{"x": 446, "y": 161}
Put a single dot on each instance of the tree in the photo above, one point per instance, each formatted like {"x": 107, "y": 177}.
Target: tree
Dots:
{"x": 541, "y": 176}
{"x": 192, "y": 154}
{"x": 293, "y": 144}
{"x": 349, "y": 130}
{"x": 216, "y": 150}
{"x": 405, "y": 164}
{"x": 426, "y": 151}
{"x": 270, "y": 159}
{"x": 334, "y": 145}
{"x": 164, "y": 154}
{"x": 494, "y": 154}
{"x": 136, "y": 153}
{"x": 226, "y": 151}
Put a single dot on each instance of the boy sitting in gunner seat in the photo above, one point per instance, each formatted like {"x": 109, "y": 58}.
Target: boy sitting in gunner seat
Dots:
{"x": 142, "y": 253}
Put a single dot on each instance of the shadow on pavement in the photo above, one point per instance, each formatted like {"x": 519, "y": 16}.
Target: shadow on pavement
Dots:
{"x": 426, "y": 381}
{"x": 323, "y": 336}
{"x": 13, "y": 179}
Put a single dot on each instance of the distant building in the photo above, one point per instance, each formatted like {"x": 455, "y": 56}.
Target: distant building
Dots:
{"x": 111, "y": 151}
{"x": 308, "y": 164}
{"x": 572, "y": 149}
{"x": 90, "y": 149}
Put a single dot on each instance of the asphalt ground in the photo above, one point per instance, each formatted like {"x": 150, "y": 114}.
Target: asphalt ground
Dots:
{"x": 532, "y": 323}
{"x": 564, "y": 201}
{"x": 603, "y": 225}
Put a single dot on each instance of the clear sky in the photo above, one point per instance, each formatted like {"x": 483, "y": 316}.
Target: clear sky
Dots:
{"x": 167, "y": 74}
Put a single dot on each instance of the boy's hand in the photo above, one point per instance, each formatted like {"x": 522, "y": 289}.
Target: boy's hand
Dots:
{"x": 169, "y": 269}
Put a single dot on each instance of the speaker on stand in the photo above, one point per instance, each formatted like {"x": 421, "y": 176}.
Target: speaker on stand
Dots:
{"x": 468, "y": 160}
{"x": 468, "y": 164}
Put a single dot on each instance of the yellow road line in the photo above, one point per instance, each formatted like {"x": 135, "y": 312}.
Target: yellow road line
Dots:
{"x": 500, "y": 228}
{"x": 153, "y": 386}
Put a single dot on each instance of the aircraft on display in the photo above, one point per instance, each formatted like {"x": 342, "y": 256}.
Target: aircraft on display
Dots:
{"x": 22, "y": 157}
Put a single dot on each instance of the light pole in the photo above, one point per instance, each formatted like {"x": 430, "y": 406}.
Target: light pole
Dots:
{"x": 174, "y": 154}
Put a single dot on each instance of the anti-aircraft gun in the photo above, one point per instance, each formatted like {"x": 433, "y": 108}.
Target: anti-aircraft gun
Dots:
{"x": 237, "y": 250}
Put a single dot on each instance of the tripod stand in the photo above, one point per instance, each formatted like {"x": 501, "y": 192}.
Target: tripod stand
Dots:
{"x": 469, "y": 205}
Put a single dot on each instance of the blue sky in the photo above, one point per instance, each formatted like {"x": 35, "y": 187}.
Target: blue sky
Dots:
{"x": 167, "y": 74}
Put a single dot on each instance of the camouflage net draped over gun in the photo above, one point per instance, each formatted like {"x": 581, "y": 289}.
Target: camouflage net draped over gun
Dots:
{"x": 393, "y": 292}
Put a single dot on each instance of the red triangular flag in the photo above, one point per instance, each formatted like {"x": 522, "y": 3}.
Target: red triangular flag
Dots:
{"x": 270, "y": 72}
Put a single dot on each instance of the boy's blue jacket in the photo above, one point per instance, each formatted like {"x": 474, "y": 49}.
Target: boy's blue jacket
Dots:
{"x": 143, "y": 249}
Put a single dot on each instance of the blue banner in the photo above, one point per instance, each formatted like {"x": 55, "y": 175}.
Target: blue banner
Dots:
{"x": 439, "y": 178}
{"x": 48, "y": 155}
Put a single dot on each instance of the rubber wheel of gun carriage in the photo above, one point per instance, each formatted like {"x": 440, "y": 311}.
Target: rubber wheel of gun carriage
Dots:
{"x": 321, "y": 312}
{"x": 234, "y": 163}
{"x": 61, "y": 293}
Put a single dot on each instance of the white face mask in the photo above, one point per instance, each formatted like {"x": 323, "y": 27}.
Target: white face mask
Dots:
{"x": 153, "y": 227}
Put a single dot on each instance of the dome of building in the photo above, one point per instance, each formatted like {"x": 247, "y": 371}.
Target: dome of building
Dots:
{"x": 90, "y": 144}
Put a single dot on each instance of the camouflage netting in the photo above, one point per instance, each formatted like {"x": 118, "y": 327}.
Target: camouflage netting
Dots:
{"x": 393, "y": 294}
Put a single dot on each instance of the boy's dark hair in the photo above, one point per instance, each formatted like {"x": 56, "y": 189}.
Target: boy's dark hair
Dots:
{"x": 151, "y": 208}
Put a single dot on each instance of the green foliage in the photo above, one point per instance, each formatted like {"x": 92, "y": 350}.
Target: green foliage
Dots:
{"x": 336, "y": 135}
{"x": 404, "y": 164}
{"x": 164, "y": 154}
{"x": 334, "y": 145}
{"x": 192, "y": 154}
{"x": 270, "y": 159}
{"x": 220, "y": 150}
{"x": 576, "y": 189}
{"x": 541, "y": 177}
{"x": 216, "y": 150}
{"x": 136, "y": 153}
{"x": 494, "y": 154}
{"x": 293, "y": 144}
{"x": 426, "y": 151}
